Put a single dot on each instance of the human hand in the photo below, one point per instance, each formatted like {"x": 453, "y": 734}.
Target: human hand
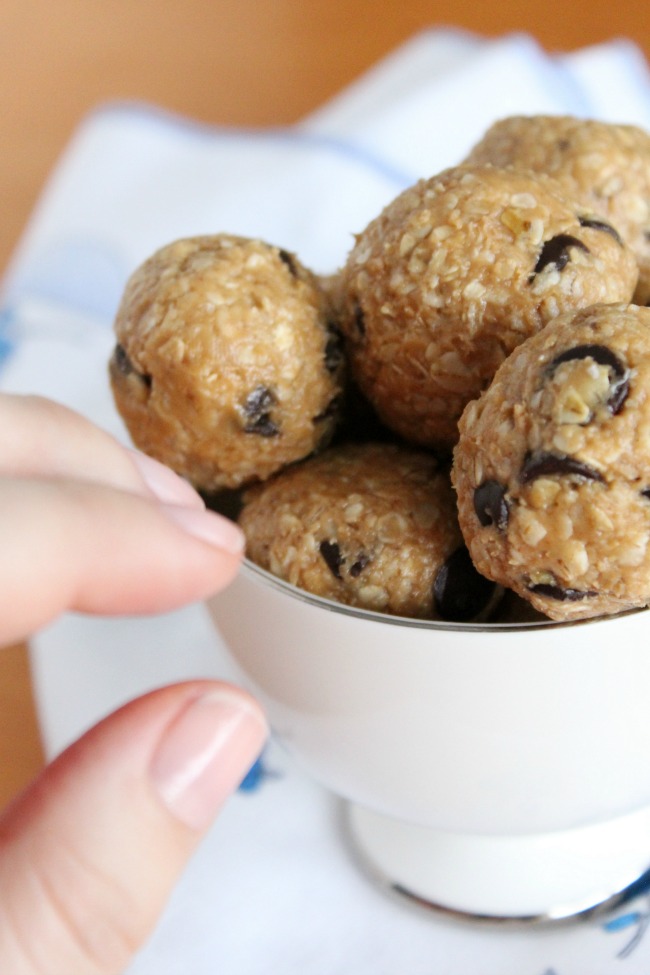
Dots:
{"x": 90, "y": 852}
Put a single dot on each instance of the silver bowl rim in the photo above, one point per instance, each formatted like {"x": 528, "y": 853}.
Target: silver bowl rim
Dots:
{"x": 320, "y": 602}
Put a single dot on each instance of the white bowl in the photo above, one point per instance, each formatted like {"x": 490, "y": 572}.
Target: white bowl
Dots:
{"x": 496, "y": 770}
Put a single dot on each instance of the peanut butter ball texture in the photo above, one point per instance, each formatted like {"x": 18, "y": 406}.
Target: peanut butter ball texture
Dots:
{"x": 552, "y": 468}
{"x": 606, "y": 165}
{"x": 227, "y": 365}
{"x": 453, "y": 275}
{"x": 369, "y": 525}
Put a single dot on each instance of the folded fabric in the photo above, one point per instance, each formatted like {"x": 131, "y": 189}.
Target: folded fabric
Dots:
{"x": 274, "y": 887}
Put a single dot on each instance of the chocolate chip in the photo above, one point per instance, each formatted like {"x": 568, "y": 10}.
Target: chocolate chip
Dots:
{"x": 256, "y": 410}
{"x": 357, "y": 567}
{"x": 546, "y": 465}
{"x": 264, "y": 426}
{"x": 460, "y": 593}
{"x": 557, "y": 251}
{"x": 601, "y": 354}
{"x": 563, "y": 144}
{"x": 490, "y": 505}
{"x": 333, "y": 558}
{"x": 288, "y": 259}
{"x": 122, "y": 363}
{"x": 333, "y": 348}
{"x": 260, "y": 400}
{"x": 619, "y": 395}
{"x": 594, "y": 223}
{"x": 645, "y": 493}
{"x": 562, "y": 594}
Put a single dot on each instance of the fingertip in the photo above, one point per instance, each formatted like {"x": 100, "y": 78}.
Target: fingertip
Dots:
{"x": 205, "y": 753}
{"x": 167, "y": 486}
{"x": 208, "y": 526}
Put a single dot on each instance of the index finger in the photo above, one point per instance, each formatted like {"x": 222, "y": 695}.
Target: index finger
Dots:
{"x": 42, "y": 438}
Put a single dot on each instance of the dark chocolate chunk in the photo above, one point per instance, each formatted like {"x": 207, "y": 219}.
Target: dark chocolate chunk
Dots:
{"x": 594, "y": 223}
{"x": 546, "y": 465}
{"x": 122, "y": 363}
{"x": 599, "y": 353}
{"x": 620, "y": 383}
{"x": 490, "y": 505}
{"x": 554, "y": 591}
{"x": 645, "y": 493}
{"x": 287, "y": 259}
{"x": 260, "y": 400}
{"x": 357, "y": 567}
{"x": 557, "y": 251}
{"x": 460, "y": 593}
{"x": 618, "y": 396}
{"x": 264, "y": 426}
{"x": 256, "y": 409}
{"x": 333, "y": 558}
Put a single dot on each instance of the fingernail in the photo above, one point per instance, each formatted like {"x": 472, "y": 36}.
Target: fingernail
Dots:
{"x": 205, "y": 753}
{"x": 166, "y": 485}
{"x": 209, "y": 527}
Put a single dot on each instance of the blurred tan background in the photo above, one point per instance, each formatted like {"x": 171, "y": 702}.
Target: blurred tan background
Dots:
{"x": 235, "y": 62}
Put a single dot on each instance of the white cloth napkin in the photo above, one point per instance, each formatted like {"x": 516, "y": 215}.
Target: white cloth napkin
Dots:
{"x": 274, "y": 888}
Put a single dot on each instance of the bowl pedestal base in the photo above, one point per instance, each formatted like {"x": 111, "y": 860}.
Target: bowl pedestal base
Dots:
{"x": 545, "y": 877}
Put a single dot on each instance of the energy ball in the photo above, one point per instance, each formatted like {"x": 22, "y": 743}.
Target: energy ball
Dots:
{"x": 453, "y": 275}
{"x": 228, "y": 365}
{"x": 368, "y": 525}
{"x": 552, "y": 468}
{"x": 606, "y": 165}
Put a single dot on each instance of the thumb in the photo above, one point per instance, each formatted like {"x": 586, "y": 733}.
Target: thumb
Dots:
{"x": 89, "y": 854}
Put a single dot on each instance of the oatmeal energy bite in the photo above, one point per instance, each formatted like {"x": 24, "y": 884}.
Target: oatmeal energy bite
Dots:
{"x": 552, "y": 469}
{"x": 369, "y": 525}
{"x": 227, "y": 365}
{"x": 453, "y": 275}
{"x": 605, "y": 165}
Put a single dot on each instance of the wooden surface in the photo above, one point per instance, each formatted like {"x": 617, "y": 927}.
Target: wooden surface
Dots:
{"x": 252, "y": 62}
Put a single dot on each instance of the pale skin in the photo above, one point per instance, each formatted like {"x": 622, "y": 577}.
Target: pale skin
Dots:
{"x": 90, "y": 852}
